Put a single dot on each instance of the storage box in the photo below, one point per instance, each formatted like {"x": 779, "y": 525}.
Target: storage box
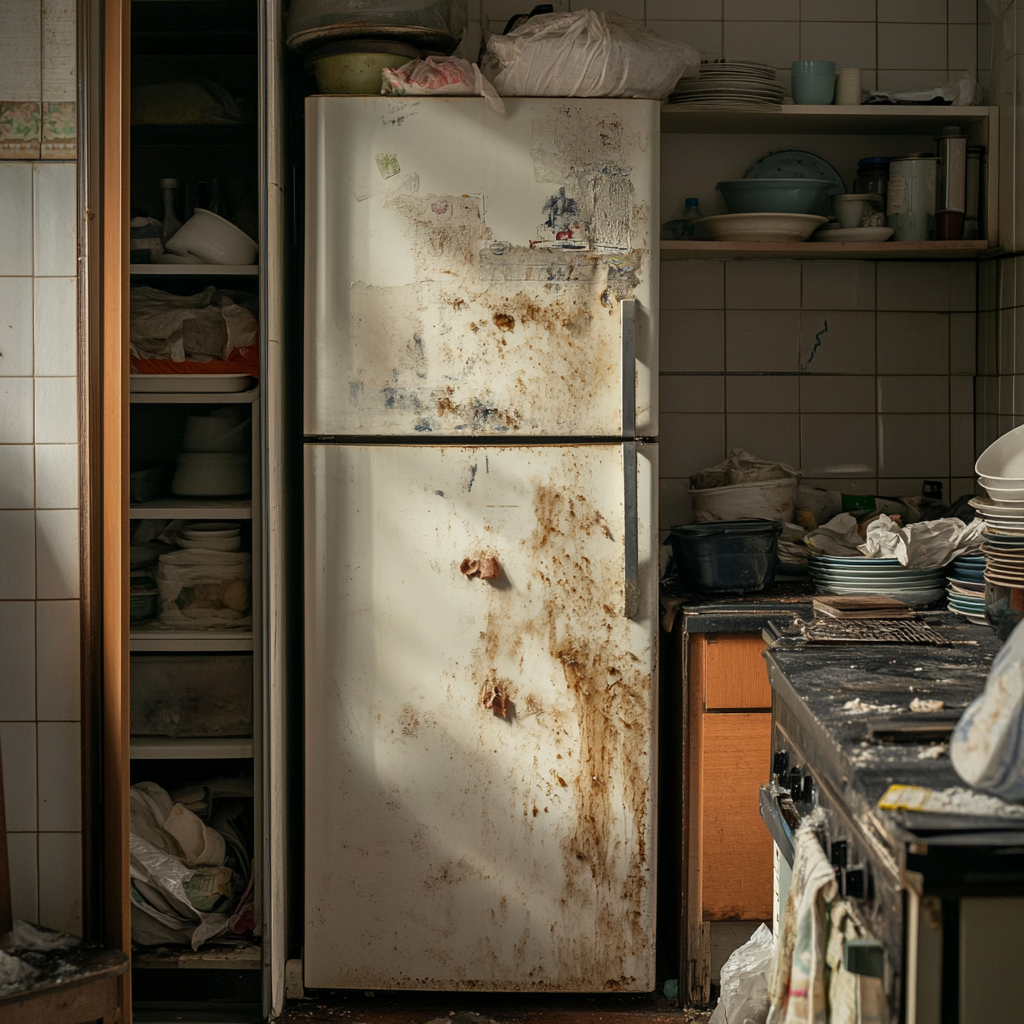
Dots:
{"x": 194, "y": 695}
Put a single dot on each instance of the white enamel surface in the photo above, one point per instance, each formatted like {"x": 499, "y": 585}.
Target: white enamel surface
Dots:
{"x": 430, "y": 306}
{"x": 447, "y": 846}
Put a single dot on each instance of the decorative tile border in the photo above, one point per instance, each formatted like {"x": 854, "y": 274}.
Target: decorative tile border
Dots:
{"x": 38, "y": 131}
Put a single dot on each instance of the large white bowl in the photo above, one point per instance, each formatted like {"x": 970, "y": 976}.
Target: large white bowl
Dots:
{"x": 212, "y": 474}
{"x": 1013, "y": 495}
{"x": 760, "y": 227}
{"x": 213, "y": 544}
{"x": 1003, "y": 460}
{"x": 212, "y": 433}
{"x": 214, "y": 240}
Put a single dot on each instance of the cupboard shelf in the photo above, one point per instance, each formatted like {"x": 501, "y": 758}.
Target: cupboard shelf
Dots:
{"x": 193, "y": 397}
{"x": 227, "y": 136}
{"x": 142, "y": 639}
{"x": 191, "y": 508}
{"x": 956, "y": 250}
{"x": 240, "y": 957}
{"x": 150, "y": 748}
{"x": 192, "y": 270}
{"x": 822, "y": 120}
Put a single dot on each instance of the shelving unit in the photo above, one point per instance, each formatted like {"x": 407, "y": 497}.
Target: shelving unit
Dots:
{"x": 148, "y": 748}
{"x": 783, "y": 128}
{"x": 192, "y": 270}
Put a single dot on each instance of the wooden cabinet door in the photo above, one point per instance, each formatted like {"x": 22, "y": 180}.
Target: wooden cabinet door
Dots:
{"x": 736, "y": 673}
{"x": 736, "y": 849}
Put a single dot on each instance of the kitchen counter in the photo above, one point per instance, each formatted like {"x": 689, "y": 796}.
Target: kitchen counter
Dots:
{"x": 734, "y": 613}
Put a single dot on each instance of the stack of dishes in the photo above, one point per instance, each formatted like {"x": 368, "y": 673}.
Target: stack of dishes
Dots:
{"x": 833, "y": 574}
{"x": 730, "y": 84}
{"x": 967, "y": 587}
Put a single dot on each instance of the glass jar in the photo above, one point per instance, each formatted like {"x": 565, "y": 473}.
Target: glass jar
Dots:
{"x": 873, "y": 175}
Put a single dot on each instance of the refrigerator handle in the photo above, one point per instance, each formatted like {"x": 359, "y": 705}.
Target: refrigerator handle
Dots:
{"x": 630, "y": 531}
{"x": 627, "y": 330}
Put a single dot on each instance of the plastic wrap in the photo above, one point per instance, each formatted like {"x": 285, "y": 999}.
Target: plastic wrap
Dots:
{"x": 744, "y": 981}
{"x": 429, "y": 24}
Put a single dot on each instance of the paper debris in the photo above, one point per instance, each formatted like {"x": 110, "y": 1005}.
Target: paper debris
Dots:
{"x": 921, "y": 705}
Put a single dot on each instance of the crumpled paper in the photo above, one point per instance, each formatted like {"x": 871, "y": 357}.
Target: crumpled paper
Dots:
{"x": 925, "y": 545}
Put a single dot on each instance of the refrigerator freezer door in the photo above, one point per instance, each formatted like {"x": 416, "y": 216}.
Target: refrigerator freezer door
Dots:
{"x": 465, "y": 271}
{"x": 479, "y": 719}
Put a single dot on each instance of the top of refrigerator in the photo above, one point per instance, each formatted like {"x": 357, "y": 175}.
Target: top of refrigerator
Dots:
{"x": 472, "y": 274}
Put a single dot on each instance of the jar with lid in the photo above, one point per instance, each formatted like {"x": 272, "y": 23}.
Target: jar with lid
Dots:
{"x": 873, "y": 175}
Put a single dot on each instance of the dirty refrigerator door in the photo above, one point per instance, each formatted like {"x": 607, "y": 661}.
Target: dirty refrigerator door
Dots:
{"x": 479, "y": 720}
{"x": 466, "y": 269}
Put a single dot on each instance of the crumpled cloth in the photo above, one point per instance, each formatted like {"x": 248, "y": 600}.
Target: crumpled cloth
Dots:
{"x": 852, "y": 998}
{"x": 924, "y": 545}
{"x": 838, "y": 536}
{"x": 796, "y": 982}
{"x": 741, "y": 468}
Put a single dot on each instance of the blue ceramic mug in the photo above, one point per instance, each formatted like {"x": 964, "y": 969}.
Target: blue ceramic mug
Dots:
{"x": 814, "y": 81}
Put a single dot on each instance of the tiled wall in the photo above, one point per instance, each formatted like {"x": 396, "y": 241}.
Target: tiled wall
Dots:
{"x": 999, "y": 386}
{"x": 874, "y": 404}
{"x": 39, "y": 537}
{"x": 899, "y": 43}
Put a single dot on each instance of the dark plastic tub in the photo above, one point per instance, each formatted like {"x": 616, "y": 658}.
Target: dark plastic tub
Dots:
{"x": 735, "y": 556}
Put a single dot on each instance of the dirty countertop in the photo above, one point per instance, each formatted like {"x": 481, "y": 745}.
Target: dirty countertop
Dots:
{"x": 847, "y": 708}
{"x": 733, "y": 613}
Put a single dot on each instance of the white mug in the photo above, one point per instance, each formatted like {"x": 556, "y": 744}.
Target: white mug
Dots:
{"x": 848, "y": 87}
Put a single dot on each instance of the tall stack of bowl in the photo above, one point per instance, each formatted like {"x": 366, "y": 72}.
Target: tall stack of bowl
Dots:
{"x": 1000, "y": 470}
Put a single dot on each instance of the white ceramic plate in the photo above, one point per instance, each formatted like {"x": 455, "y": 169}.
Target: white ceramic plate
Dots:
{"x": 853, "y": 235}
{"x": 176, "y": 383}
{"x": 760, "y": 227}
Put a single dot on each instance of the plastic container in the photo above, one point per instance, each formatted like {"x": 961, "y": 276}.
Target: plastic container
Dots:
{"x": 759, "y": 499}
{"x": 728, "y": 557}
{"x": 775, "y": 195}
{"x": 813, "y": 81}
{"x": 191, "y": 695}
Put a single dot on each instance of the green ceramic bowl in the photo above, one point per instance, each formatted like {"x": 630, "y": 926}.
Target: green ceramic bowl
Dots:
{"x": 776, "y": 195}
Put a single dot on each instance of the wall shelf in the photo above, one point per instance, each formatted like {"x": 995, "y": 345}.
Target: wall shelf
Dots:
{"x": 191, "y": 508}
{"x": 236, "y": 957}
{"x": 192, "y": 270}
{"x": 822, "y": 120}
{"x": 142, "y": 639}
{"x": 193, "y": 397}
{"x": 150, "y": 748}
{"x": 962, "y": 250}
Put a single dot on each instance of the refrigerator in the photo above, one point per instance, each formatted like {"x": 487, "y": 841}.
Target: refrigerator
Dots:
{"x": 481, "y": 466}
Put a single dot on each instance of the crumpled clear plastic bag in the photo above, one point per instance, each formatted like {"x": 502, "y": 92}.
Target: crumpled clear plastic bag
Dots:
{"x": 924, "y": 545}
{"x": 439, "y": 76}
{"x": 987, "y": 746}
{"x": 202, "y": 589}
{"x": 587, "y": 53}
{"x": 741, "y": 468}
{"x": 744, "y": 998}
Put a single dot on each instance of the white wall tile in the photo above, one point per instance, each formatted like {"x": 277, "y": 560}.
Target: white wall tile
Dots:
{"x": 60, "y": 881}
{"x": 692, "y": 341}
{"x": 961, "y": 444}
{"x": 914, "y": 286}
{"x": 15, "y": 325}
{"x": 58, "y": 51}
{"x": 963, "y": 11}
{"x": 18, "y": 746}
{"x": 687, "y": 10}
{"x": 57, "y": 558}
{"x": 1006, "y": 339}
{"x": 630, "y": 8}
{"x": 16, "y": 477}
{"x": 59, "y": 769}
{"x": 17, "y": 648}
{"x": 692, "y": 284}
{"x": 837, "y": 394}
{"x": 762, "y": 340}
{"x": 963, "y": 355}
{"x": 22, "y": 856}
{"x": 58, "y": 661}
{"x": 675, "y": 507}
{"x": 912, "y": 10}
{"x": 16, "y": 223}
{"x": 909, "y": 445}
{"x": 889, "y": 81}
{"x": 20, "y": 52}
{"x": 690, "y": 442}
{"x": 56, "y": 408}
{"x": 767, "y": 435}
{"x": 702, "y": 393}
{"x": 838, "y": 445}
{"x": 962, "y": 485}
{"x": 845, "y": 485}
{"x": 762, "y": 394}
{"x": 961, "y": 394}
{"x": 16, "y": 410}
{"x": 760, "y": 284}
{"x": 987, "y": 341}
{"x": 837, "y": 10}
{"x": 913, "y": 343}
{"x": 1009, "y": 273}
{"x": 55, "y": 331}
{"x": 56, "y": 475}
{"x": 962, "y": 46}
{"x": 988, "y": 284}
{"x": 17, "y": 556}
{"x": 55, "y": 218}
{"x": 918, "y": 47}
{"x": 703, "y": 36}
{"x": 913, "y": 394}
{"x": 762, "y": 10}
{"x": 847, "y": 346}
{"x": 776, "y": 43}
{"x": 837, "y": 284}
{"x": 849, "y": 44}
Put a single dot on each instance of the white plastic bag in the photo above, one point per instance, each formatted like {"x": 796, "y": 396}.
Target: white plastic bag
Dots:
{"x": 202, "y": 589}
{"x": 439, "y": 76}
{"x": 744, "y": 998}
{"x": 741, "y": 468}
{"x": 987, "y": 748}
{"x": 588, "y": 53}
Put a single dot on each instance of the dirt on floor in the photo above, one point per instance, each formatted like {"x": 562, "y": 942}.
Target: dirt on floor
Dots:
{"x": 463, "y": 1008}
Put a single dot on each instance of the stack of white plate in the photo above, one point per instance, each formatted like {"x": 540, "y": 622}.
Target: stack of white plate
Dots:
{"x": 730, "y": 83}
{"x": 833, "y": 574}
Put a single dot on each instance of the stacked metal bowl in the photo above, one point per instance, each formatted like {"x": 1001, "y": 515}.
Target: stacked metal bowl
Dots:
{"x": 834, "y": 574}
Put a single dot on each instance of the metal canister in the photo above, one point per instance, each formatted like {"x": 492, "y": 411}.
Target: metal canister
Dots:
{"x": 951, "y": 183}
{"x": 910, "y": 204}
{"x": 973, "y": 205}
